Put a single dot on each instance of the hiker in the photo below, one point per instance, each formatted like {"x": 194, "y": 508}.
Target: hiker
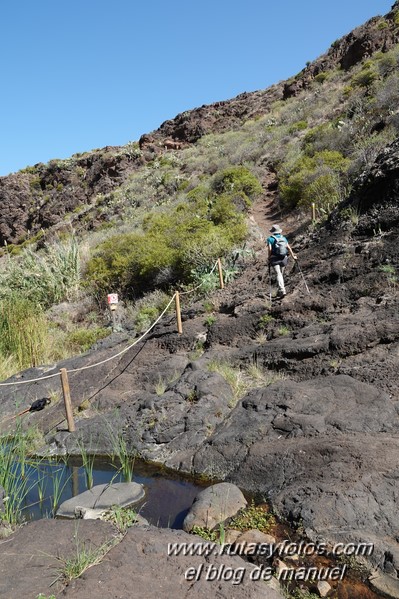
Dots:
{"x": 279, "y": 248}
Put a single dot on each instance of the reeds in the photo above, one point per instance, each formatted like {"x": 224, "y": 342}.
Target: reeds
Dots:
{"x": 88, "y": 464}
{"x": 23, "y": 331}
{"x": 15, "y": 478}
{"x": 28, "y": 481}
{"x": 32, "y": 484}
{"x": 46, "y": 277}
{"x": 124, "y": 458}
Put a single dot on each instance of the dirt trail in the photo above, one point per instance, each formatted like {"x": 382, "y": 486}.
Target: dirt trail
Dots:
{"x": 266, "y": 211}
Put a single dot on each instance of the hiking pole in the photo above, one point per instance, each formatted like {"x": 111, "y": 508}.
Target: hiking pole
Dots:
{"x": 300, "y": 270}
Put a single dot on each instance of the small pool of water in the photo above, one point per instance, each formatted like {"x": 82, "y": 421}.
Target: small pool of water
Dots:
{"x": 167, "y": 500}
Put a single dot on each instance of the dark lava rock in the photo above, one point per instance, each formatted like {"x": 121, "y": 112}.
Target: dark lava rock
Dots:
{"x": 324, "y": 451}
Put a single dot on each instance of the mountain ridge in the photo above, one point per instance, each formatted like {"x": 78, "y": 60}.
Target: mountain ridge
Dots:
{"x": 37, "y": 198}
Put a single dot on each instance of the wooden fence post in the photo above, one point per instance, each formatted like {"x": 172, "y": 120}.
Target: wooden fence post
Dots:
{"x": 178, "y": 313}
{"x": 313, "y": 212}
{"x": 220, "y": 274}
{"x": 67, "y": 399}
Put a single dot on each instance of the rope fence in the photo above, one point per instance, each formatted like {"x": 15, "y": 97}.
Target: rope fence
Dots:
{"x": 63, "y": 373}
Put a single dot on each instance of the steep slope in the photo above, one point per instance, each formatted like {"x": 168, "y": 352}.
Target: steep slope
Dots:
{"x": 317, "y": 434}
{"x": 74, "y": 192}
{"x": 320, "y": 443}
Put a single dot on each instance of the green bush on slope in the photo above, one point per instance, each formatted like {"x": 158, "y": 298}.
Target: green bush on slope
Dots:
{"x": 237, "y": 179}
{"x": 317, "y": 178}
{"x": 169, "y": 245}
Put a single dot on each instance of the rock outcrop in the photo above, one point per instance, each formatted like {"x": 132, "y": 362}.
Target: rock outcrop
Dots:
{"x": 139, "y": 565}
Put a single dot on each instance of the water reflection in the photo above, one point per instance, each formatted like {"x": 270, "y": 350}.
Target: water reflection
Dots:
{"x": 167, "y": 500}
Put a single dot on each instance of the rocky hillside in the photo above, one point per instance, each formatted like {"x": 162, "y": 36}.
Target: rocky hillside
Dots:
{"x": 317, "y": 433}
{"x": 295, "y": 400}
{"x": 73, "y": 192}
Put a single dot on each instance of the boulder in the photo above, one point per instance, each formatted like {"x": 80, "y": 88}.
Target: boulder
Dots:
{"x": 214, "y": 505}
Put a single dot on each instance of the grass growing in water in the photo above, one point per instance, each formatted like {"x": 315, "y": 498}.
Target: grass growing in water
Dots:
{"x": 26, "y": 480}
{"x": 59, "y": 484}
{"x": 88, "y": 464}
{"x": 15, "y": 470}
{"x": 124, "y": 457}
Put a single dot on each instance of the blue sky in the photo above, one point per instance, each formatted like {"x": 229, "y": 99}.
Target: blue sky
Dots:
{"x": 83, "y": 74}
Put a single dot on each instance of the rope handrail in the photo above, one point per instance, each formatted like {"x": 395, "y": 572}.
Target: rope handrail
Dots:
{"x": 123, "y": 351}
{"x": 49, "y": 376}
{"x": 43, "y": 378}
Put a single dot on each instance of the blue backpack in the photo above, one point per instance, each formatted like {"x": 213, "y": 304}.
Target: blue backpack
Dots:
{"x": 280, "y": 246}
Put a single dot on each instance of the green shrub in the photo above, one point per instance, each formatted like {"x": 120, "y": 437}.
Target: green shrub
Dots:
{"x": 170, "y": 245}
{"x": 390, "y": 273}
{"x": 203, "y": 278}
{"x": 223, "y": 209}
{"x": 237, "y": 179}
{"x": 347, "y": 91}
{"x": 35, "y": 184}
{"x": 146, "y": 316}
{"x": 83, "y": 339}
{"x": 264, "y": 321}
{"x": 198, "y": 194}
{"x": 253, "y": 517}
{"x": 312, "y": 136}
{"x": 205, "y": 533}
{"x": 314, "y": 178}
{"x": 364, "y": 78}
{"x": 210, "y": 320}
{"x": 321, "y": 77}
{"x": 325, "y": 190}
{"x": 147, "y": 309}
{"x": 387, "y": 63}
{"x": 298, "y": 126}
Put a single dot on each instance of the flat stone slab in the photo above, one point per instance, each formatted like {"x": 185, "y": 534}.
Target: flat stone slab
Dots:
{"x": 102, "y": 497}
{"x": 138, "y": 566}
{"x": 385, "y": 584}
